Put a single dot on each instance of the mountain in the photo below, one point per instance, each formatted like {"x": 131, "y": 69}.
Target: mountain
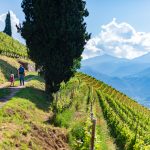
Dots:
{"x": 104, "y": 64}
{"x": 131, "y": 77}
{"x": 143, "y": 73}
{"x": 103, "y": 59}
{"x": 113, "y": 66}
{"x": 143, "y": 59}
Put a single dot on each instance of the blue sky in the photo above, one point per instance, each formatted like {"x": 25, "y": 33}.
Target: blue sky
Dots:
{"x": 134, "y": 12}
{"x": 14, "y": 5}
{"x": 120, "y": 37}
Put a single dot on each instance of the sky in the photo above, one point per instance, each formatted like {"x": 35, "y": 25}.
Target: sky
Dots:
{"x": 134, "y": 12}
{"x": 120, "y": 28}
{"x": 14, "y": 5}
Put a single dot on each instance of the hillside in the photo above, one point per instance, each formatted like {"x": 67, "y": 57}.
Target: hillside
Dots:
{"x": 7, "y": 65}
{"x": 66, "y": 122}
{"x": 33, "y": 117}
{"x": 128, "y": 121}
{"x": 128, "y": 76}
{"x": 11, "y": 47}
{"x": 30, "y": 121}
{"x": 23, "y": 121}
{"x": 10, "y": 65}
{"x": 12, "y": 53}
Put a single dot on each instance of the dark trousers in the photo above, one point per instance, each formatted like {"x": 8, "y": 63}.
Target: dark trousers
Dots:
{"x": 21, "y": 79}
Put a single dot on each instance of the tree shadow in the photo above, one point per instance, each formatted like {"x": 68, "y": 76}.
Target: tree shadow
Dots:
{"x": 4, "y": 92}
{"x": 8, "y": 93}
{"x": 36, "y": 96}
{"x": 7, "y": 69}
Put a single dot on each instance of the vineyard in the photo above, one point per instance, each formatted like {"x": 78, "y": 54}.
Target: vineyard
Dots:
{"x": 81, "y": 105}
{"x": 11, "y": 47}
{"x": 127, "y": 121}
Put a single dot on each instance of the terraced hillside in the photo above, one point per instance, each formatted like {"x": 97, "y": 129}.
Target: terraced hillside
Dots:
{"x": 30, "y": 121}
{"x": 65, "y": 122}
{"x": 11, "y": 47}
{"x": 128, "y": 121}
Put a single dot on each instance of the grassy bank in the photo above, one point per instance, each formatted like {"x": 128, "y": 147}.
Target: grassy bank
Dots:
{"x": 23, "y": 121}
{"x": 7, "y": 66}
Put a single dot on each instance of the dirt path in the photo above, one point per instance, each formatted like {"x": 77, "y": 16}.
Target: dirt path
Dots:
{"x": 106, "y": 140}
{"x": 13, "y": 91}
{"x": 4, "y": 85}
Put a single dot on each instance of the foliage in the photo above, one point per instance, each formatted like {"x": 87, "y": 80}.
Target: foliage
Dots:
{"x": 11, "y": 47}
{"x": 72, "y": 105}
{"x": 128, "y": 120}
{"x": 55, "y": 33}
{"x": 8, "y": 29}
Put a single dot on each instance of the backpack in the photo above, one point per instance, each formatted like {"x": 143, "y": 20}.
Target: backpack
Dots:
{"x": 21, "y": 70}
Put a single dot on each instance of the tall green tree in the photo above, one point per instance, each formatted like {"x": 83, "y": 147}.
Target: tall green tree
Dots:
{"x": 55, "y": 34}
{"x": 8, "y": 29}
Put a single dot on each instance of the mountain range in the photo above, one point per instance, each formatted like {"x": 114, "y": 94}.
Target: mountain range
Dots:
{"x": 131, "y": 77}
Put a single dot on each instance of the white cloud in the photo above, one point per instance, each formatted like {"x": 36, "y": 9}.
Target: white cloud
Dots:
{"x": 14, "y": 21}
{"x": 2, "y": 17}
{"x": 119, "y": 40}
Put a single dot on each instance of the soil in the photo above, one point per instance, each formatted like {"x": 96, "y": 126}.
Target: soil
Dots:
{"x": 50, "y": 139}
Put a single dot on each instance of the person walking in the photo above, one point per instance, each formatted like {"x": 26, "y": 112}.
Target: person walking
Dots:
{"x": 21, "y": 75}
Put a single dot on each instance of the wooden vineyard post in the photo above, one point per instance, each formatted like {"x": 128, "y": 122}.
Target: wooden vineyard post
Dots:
{"x": 93, "y": 134}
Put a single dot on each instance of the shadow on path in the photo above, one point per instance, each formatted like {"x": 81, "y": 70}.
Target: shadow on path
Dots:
{"x": 36, "y": 96}
{"x": 33, "y": 94}
{"x": 13, "y": 91}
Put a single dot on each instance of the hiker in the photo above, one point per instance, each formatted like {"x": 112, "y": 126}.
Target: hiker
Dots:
{"x": 12, "y": 79}
{"x": 21, "y": 75}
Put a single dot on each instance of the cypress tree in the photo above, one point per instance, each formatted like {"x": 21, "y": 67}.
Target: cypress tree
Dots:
{"x": 55, "y": 34}
{"x": 8, "y": 29}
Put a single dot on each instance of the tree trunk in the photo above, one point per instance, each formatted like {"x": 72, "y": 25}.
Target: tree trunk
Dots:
{"x": 48, "y": 86}
{"x": 51, "y": 86}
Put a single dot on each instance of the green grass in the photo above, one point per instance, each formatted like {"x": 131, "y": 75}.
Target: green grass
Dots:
{"x": 30, "y": 113}
{"x": 23, "y": 120}
{"x": 29, "y": 76}
{"x": 72, "y": 111}
{"x": 10, "y": 65}
{"x": 7, "y": 66}
{"x": 106, "y": 141}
